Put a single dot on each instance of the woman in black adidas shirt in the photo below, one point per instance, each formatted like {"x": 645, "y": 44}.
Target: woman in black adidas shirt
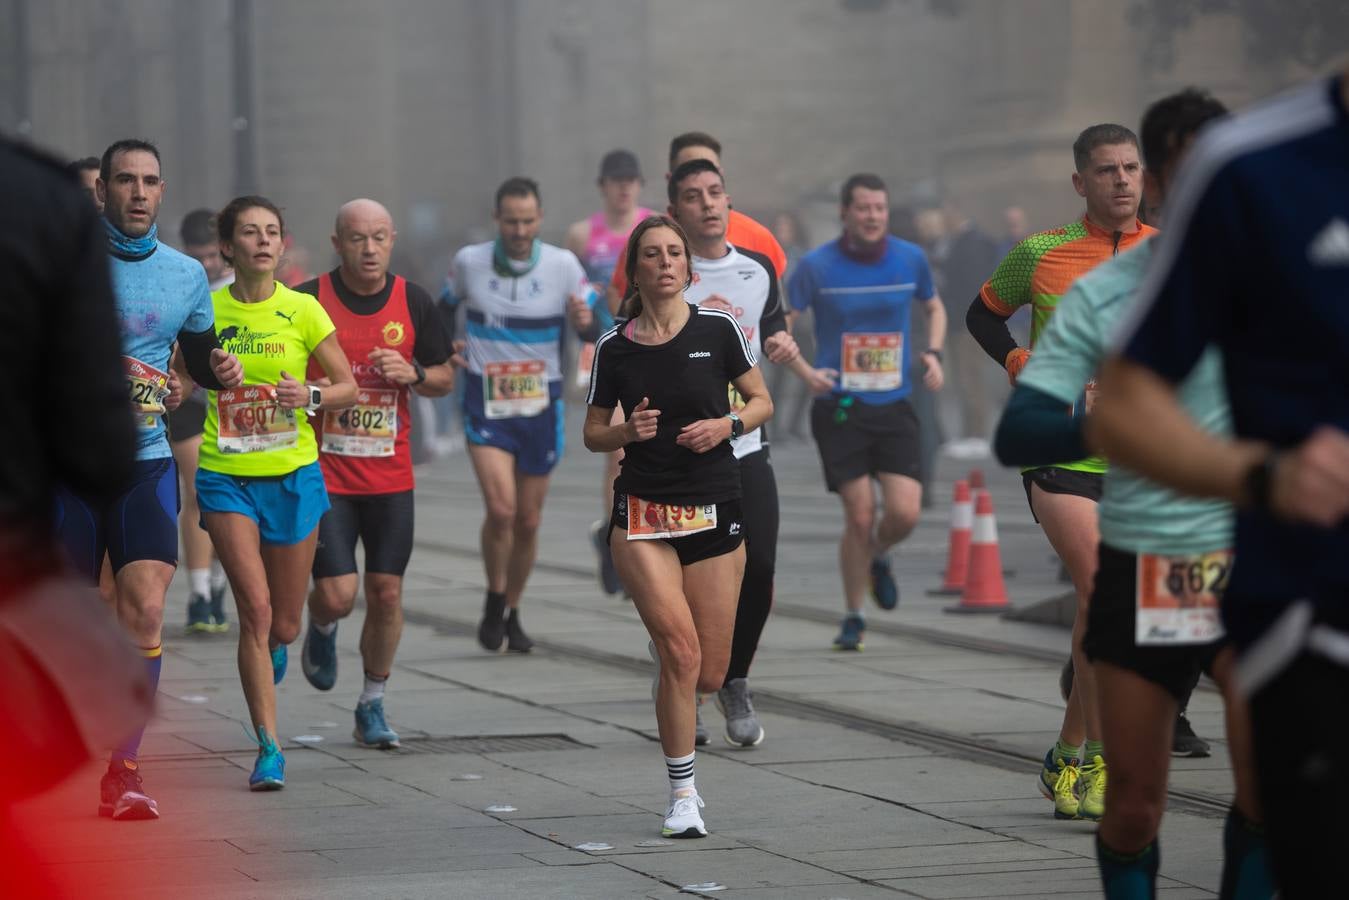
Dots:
{"x": 675, "y": 529}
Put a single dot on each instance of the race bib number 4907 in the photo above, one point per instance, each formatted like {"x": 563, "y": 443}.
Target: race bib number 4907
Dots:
{"x": 649, "y": 521}
{"x": 367, "y": 429}
{"x": 148, "y": 387}
{"x": 251, "y": 421}
{"x": 1178, "y": 598}
{"x": 514, "y": 389}
{"x": 871, "y": 362}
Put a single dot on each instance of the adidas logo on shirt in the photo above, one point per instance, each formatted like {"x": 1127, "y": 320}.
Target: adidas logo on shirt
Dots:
{"x": 700, "y": 354}
{"x": 1330, "y": 247}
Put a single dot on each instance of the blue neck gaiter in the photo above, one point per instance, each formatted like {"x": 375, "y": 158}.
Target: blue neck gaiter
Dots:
{"x": 130, "y": 248}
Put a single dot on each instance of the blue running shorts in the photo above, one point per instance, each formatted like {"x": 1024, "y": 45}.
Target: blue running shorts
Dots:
{"x": 535, "y": 441}
{"x": 287, "y": 507}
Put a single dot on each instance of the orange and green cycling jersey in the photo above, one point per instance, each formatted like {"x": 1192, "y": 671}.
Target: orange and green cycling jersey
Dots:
{"x": 1040, "y": 269}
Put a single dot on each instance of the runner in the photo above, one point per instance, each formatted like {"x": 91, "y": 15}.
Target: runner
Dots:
{"x": 395, "y": 345}
{"x": 519, "y": 292}
{"x": 259, "y": 485}
{"x": 161, "y": 298}
{"x": 742, "y": 232}
{"x": 1260, "y": 215}
{"x": 205, "y": 576}
{"x": 1063, "y": 496}
{"x": 860, "y": 287}
{"x": 742, "y": 283}
{"x": 597, "y": 241}
{"x": 86, "y": 170}
{"x": 675, "y": 530}
{"x": 1146, "y": 639}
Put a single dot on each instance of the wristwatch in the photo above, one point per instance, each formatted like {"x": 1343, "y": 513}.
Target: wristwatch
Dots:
{"x": 315, "y": 398}
{"x": 737, "y": 426}
{"x": 934, "y": 352}
{"x": 421, "y": 372}
{"x": 1258, "y": 484}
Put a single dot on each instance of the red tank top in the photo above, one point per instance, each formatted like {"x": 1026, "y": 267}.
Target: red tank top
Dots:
{"x": 365, "y": 449}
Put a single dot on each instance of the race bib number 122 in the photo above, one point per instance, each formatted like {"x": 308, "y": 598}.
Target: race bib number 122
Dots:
{"x": 148, "y": 387}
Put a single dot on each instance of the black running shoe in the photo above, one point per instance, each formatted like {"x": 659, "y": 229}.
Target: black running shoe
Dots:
{"x": 492, "y": 628}
{"x": 516, "y": 639}
{"x": 122, "y": 796}
{"x": 1184, "y": 742}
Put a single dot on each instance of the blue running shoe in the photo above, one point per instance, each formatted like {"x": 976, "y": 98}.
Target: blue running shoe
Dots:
{"x": 279, "y": 660}
{"x": 883, "y": 588}
{"x": 850, "y": 634}
{"x": 371, "y": 729}
{"x": 269, "y": 769}
{"x": 198, "y": 614}
{"x": 318, "y": 657}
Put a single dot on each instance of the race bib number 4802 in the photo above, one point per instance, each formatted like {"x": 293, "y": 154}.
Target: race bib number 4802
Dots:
{"x": 369, "y": 428}
{"x": 148, "y": 387}
{"x": 251, "y": 421}
{"x": 649, "y": 521}
{"x": 1178, "y": 598}
{"x": 872, "y": 362}
{"x": 514, "y": 389}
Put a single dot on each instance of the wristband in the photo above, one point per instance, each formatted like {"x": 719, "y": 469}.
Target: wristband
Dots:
{"x": 421, "y": 372}
{"x": 933, "y": 352}
{"x": 315, "y": 398}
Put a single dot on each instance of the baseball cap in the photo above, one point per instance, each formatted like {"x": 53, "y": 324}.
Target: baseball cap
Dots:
{"x": 620, "y": 164}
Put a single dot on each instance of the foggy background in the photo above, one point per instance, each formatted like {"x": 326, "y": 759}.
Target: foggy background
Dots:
{"x": 426, "y": 105}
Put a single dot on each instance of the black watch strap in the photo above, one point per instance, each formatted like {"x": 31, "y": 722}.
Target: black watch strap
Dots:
{"x": 936, "y": 353}
{"x": 420, "y": 370}
{"x": 1259, "y": 483}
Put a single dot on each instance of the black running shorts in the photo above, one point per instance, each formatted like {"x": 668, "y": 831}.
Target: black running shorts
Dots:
{"x": 1110, "y": 631}
{"x": 189, "y": 419}
{"x": 382, "y": 522}
{"x": 728, "y": 535}
{"x": 1053, "y": 480}
{"x": 856, "y": 439}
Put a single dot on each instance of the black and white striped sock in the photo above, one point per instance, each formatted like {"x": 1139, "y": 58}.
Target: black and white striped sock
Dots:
{"x": 680, "y": 770}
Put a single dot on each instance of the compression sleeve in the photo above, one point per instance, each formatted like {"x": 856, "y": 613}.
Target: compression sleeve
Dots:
{"x": 196, "y": 347}
{"x": 1036, "y": 427}
{"x": 990, "y": 331}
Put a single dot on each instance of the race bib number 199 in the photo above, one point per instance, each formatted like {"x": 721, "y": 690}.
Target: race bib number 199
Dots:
{"x": 871, "y": 362}
{"x": 514, "y": 389}
{"x": 649, "y": 521}
{"x": 147, "y": 387}
{"x": 1178, "y": 598}
{"x": 251, "y": 421}
{"x": 367, "y": 429}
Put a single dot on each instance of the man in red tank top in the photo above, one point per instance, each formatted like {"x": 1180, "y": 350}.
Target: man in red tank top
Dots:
{"x": 389, "y": 330}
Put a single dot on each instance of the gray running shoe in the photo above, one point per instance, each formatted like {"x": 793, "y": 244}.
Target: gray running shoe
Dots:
{"x": 735, "y": 701}
{"x": 701, "y": 736}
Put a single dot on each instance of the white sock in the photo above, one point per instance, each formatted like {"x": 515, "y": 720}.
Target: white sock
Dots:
{"x": 200, "y": 581}
{"x": 374, "y": 688}
{"x": 680, "y": 770}
{"x": 326, "y": 630}
{"x": 218, "y": 579}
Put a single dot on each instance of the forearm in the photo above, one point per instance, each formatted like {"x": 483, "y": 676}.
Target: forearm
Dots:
{"x": 990, "y": 331}
{"x": 604, "y": 438}
{"x": 1036, "y": 429}
{"x": 1171, "y": 449}
{"x": 801, "y": 369}
{"x": 758, "y": 409}
{"x": 195, "y": 349}
{"x": 936, "y": 325}
{"x": 439, "y": 381}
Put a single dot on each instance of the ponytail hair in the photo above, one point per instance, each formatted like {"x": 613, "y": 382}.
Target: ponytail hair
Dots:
{"x": 631, "y": 307}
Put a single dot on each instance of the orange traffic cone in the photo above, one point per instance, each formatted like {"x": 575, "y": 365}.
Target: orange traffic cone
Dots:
{"x": 985, "y": 590}
{"x": 958, "y": 545}
{"x": 977, "y": 480}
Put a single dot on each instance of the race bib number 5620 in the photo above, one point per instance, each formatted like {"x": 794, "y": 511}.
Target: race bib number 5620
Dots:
{"x": 1178, "y": 598}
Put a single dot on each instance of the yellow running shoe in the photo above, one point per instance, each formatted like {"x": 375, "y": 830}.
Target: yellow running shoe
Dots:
{"x": 1092, "y": 805}
{"x": 1058, "y": 781}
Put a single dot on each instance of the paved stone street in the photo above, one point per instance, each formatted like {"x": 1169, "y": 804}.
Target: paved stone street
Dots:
{"x": 907, "y": 770}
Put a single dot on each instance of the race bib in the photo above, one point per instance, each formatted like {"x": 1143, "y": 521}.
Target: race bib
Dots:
{"x": 1178, "y": 598}
{"x": 148, "y": 388}
{"x": 514, "y": 389}
{"x": 584, "y": 360}
{"x": 871, "y": 362}
{"x": 367, "y": 429}
{"x": 648, "y": 521}
{"x": 251, "y": 422}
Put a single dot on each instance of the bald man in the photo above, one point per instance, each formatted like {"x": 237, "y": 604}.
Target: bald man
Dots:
{"x": 388, "y": 328}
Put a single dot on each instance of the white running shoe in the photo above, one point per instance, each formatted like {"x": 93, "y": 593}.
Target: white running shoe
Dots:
{"x": 682, "y": 819}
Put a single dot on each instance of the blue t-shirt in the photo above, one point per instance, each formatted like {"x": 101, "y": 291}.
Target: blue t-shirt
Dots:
{"x": 160, "y": 293}
{"x": 1255, "y": 259}
{"x": 864, "y": 305}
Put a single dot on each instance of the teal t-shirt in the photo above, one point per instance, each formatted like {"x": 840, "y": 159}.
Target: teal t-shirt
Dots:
{"x": 1136, "y": 515}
